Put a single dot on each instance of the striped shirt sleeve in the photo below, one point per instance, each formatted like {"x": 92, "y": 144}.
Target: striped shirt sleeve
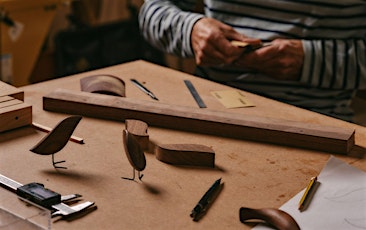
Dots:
{"x": 167, "y": 25}
{"x": 335, "y": 64}
{"x": 333, "y": 33}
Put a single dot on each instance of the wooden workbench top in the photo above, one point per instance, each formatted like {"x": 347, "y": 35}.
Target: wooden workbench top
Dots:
{"x": 254, "y": 174}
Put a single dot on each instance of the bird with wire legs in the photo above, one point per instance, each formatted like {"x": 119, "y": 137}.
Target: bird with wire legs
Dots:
{"x": 55, "y": 140}
{"x": 134, "y": 153}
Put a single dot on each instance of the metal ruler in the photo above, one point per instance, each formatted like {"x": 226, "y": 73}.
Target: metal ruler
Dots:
{"x": 195, "y": 94}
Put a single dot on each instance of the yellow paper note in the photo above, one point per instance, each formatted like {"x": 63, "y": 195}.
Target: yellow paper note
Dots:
{"x": 232, "y": 98}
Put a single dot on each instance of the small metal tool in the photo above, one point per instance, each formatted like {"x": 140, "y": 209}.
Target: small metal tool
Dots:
{"x": 195, "y": 94}
{"x": 36, "y": 193}
{"x": 144, "y": 89}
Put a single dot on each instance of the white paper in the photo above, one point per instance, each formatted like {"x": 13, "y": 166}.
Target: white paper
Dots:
{"x": 338, "y": 203}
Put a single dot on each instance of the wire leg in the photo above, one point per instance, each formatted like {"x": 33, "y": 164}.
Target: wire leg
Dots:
{"x": 140, "y": 175}
{"x": 57, "y": 162}
{"x": 133, "y": 178}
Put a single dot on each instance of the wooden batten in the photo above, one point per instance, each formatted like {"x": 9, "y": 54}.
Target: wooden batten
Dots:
{"x": 262, "y": 129}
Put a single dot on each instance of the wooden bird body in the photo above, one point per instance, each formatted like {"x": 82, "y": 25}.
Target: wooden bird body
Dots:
{"x": 56, "y": 140}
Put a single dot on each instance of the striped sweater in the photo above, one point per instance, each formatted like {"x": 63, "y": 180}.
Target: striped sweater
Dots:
{"x": 333, "y": 35}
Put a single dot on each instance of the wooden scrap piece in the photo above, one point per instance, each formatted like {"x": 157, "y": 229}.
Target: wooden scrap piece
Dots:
{"x": 138, "y": 129}
{"x": 9, "y": 90}
{"x": 103, "y": 84}
{"x": 186, "y": 154}
{"x": 255, "y": 128}
{"x": 14, "y": 113}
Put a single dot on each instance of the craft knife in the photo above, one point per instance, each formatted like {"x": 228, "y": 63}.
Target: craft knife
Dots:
{"x": 144, "y": 89}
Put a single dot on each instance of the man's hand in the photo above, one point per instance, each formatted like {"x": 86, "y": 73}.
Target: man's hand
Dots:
{"x": 211, "y": 42}
{"x": 282, "y": 60}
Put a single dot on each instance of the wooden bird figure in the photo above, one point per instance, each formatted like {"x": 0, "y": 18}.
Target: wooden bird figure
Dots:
{"x": 134, "y": 153}
{"x": 55, "y": 140}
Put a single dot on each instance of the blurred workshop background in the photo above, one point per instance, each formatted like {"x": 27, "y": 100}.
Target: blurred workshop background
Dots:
{"x": 46, "y": 39}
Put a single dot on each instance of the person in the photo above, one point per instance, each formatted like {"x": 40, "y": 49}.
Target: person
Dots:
{"x": 314, "y": 57}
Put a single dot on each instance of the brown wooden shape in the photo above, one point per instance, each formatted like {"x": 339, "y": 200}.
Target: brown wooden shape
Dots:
{"x": 9, "y": 90}
{"x": 15, "y": 116}
{"x": 241, "y": 126}
{"x": 186, "y": 154}
{"x": 103, "y": 84}
{"x": 14, "y": 113}
{"x": 55, "y": 140}
{"x": 133, "y": 150}
{"x": 138, "y": 129}
{"x": 275, "y": 217}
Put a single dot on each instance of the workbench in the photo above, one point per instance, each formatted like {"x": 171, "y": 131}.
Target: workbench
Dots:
{"x": 255, "y": 174}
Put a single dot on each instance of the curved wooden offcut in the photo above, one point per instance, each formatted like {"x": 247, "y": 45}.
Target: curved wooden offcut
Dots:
{"x": 103, "y": 84}
{"x": 274, "y": 217}
{"x": 186, "y": 154}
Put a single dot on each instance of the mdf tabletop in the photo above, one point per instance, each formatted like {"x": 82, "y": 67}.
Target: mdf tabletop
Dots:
{"x": 254, "y": 173}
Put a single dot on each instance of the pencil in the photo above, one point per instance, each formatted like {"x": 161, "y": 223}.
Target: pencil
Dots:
{"x": 47, "y": 130}
{"x": 306, "y": 197}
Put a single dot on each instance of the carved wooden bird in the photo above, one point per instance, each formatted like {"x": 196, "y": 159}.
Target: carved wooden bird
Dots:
{"x": 55, "y": 140}
{"x": 134, "y": 153}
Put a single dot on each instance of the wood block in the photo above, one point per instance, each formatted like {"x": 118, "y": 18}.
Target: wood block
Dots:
{"x": 15, "y": 116}
{"x": 255, "y": 128}
{"x": 9, "y": 90}
{"x": 186, "y": 154}
{"x": 7, "y": 101}
{"x": 14, "y": 113}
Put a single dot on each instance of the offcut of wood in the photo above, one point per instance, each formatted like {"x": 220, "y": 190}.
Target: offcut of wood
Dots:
{"x": 186, "y": 155}
{"x": 103, "y": 84}
{"x": 240, "y": 126}
{"x": 9, "y": 90}
{"x": 14, "y": 113}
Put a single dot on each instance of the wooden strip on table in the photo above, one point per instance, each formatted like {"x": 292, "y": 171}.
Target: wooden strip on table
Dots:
{"x": 240, "y": 126}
